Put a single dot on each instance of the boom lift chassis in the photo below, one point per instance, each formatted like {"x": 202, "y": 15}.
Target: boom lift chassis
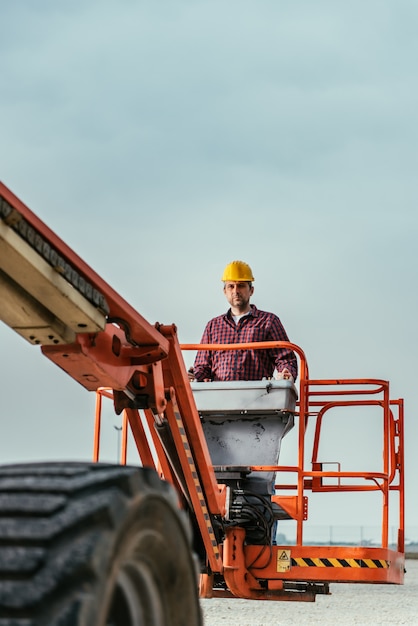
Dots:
{"x": 53, "y": 299}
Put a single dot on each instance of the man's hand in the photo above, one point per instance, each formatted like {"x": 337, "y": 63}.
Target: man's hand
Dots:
{"x": 284, "y": 375}
{"x": 192, "y": 377}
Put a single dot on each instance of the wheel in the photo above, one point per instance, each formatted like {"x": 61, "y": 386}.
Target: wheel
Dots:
{"x": 93, "y": 545}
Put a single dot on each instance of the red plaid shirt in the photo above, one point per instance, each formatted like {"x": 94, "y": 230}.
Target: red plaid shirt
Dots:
{"x": 244, "y": 364}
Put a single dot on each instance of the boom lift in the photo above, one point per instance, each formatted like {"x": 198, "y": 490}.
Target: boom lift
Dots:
{"x": 93, "y": 543}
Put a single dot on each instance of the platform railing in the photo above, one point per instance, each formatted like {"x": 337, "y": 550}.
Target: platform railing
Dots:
{"x": 315, "y": 403}
{"x": 316, "y": 400}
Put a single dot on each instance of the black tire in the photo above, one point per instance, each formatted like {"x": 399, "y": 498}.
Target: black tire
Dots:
{"x": 85, "y": 544}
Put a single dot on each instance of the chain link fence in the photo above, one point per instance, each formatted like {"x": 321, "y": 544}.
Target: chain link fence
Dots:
{"x": 348, "y": 535}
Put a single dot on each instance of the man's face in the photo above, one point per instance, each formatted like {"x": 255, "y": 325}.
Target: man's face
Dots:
{"x": 238, "y": 293}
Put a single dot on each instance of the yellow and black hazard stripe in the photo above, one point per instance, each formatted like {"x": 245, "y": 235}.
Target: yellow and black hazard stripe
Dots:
{"x": 332, "y": 562}
{"x": 197, "y": 484}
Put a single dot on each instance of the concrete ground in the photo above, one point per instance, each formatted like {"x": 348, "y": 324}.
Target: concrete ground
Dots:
{"x": 349, "y": 604}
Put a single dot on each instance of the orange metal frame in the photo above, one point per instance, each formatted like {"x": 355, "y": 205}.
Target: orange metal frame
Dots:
{"x": 141, "y": 362}
{"x": 257, "y": 573}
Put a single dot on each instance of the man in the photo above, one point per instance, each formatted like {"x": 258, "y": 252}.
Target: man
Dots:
{"x": 243, "y": 323}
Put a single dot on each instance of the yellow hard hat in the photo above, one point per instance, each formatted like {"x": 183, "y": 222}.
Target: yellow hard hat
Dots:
{"x": 238, "y": 270}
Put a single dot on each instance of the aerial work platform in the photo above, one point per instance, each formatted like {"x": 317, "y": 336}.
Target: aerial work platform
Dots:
{"x": 241, "y": 457}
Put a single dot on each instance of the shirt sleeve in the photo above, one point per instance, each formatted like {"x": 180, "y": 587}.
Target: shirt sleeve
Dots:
{"x": 202, "y": 367}
{"x": 283, "y": 357}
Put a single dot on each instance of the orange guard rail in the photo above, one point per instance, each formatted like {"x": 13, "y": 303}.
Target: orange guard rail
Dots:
{"x": 244, "y": 565}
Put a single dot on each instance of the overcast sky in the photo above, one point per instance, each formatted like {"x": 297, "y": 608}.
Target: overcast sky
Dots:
{"x": 162, "y": 140}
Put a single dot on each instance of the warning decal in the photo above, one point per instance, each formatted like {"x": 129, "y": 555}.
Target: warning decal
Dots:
{"x": 283, "y": 560}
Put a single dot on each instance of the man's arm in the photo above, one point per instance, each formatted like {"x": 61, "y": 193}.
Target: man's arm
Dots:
{"x": 284, "y": 359}
{"x": 202, "y": 367}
